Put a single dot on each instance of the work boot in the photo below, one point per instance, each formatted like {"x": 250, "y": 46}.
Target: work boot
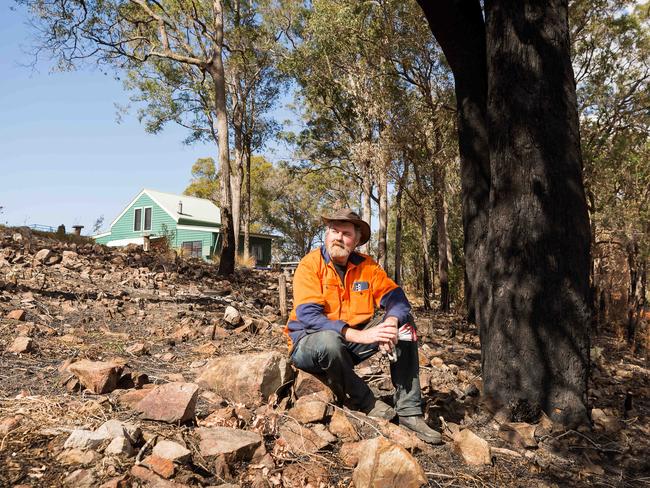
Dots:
{"x": 417, "y": 424}
{"x": 380, "y": 410}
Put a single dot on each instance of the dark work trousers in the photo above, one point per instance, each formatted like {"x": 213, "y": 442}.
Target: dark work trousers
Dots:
{"x": 327, "y": 352}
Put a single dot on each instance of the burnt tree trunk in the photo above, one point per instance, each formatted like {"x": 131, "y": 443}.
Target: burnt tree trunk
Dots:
{"x": 535, "y": 340}
{"x": 458, "y": 27}
{"x": 442, "y": 236}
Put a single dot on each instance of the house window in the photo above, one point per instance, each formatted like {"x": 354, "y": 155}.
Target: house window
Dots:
{"x": 193, "y": 249}
{"x": 137, "y": 220}
{"x": 147, "y": 218}
{"x": 257, "y": 252}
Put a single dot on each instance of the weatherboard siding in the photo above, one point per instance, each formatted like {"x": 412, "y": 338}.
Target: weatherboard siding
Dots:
{"x": 183, "y": 235}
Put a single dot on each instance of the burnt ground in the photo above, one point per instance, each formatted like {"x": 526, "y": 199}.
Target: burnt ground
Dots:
{"x": 97, "y": 302}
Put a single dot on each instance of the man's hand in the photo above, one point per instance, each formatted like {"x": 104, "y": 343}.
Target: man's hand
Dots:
{"x": 384, "y": 333}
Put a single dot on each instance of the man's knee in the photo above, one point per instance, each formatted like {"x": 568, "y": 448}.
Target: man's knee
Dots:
{"x": 328, "y": 343}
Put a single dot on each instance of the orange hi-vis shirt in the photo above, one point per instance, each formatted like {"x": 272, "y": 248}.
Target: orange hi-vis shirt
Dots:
{"x": 322, "y": 302}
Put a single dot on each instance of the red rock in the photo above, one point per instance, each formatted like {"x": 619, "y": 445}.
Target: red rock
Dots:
{"x": 152, "y": 479}
{"x": 17, "y": 315}
{"x": 308, "y": 409}
{"x": 350, "y": 453}
{"x": 8, "y": 424}
{"x": 247, "y": 378}
{"x": 308, "y": 384}
{"x": 341, "y": 427}
{"x": 520, "y": 434}
{"x": 474, "y": 450}
{"x": 97, "y": 376}
{"x": 119, "y": 482}
{"x": 171, "y": 402}
{"x": 234, "y": 444}
{"x": 301, "y": 440}
{"x": 131, "y": 398}
{"x": 383, "y": 464}
{"x": 163, "y": 467}
{"x": 21, "y": 345}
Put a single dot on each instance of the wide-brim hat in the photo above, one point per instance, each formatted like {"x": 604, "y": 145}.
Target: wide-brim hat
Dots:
{"x": 347, "y": 215}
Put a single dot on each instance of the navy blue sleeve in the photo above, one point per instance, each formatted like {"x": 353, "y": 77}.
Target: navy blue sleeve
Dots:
{"x": 396, "y": 305}
{"x": 312, "y": 316}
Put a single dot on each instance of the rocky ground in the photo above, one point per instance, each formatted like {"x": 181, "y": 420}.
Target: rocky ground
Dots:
{"x": 123, "y": 368}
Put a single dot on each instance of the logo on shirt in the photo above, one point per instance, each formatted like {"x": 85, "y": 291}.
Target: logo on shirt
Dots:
{"x": 360, "y": 286}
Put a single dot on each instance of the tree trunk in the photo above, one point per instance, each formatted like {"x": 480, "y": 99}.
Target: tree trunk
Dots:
{"x": 458, "y": 27}
{"x": 535, "y": 341}
{"x": 247, "y": 202}
{"x": 382, "y": 248}
{"x": 237, "y": 173}
{"x": 426, "y": 262}
{"x": 227, "y": 259}
{"x": 367, "y": 200}
{"x": 398, "y": 224}
{"x": 444, "y": 245}
{"x": 637, "y": 289}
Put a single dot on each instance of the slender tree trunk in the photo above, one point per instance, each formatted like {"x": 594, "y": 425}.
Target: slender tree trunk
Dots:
{"x": 535, "y": 341}
{"x": 382, "y": 248}
{"x": 426, "y": 262}
{"x": 444, "y": 247}
{"x": 458, "y": 27}
{"x": 227, "y": 259}
{"x": 237, "y": 173}
{"x": 367, "y": 200}
{"x": 247, "y": 202}
{"x": 398, "y": 224}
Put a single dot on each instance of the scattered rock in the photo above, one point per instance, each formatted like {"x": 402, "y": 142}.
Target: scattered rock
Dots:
{"x": 171, "y": 402}
{"x": 308, "y": 409}
{"x": 474, "y": 450}
{"x": 138, "y": 349}
{"x": 97, "y": 376}
{"x": 17, "y": 315}
{"x": 42, "y": 255}
{"x": 520, "y": 434}
{"x": 301, "y": 440}
{"x": 231, "y": 315}
{"x": 341, "y": 427}
{"x": 308, "y": 384}
{"x": 81, "y": 478}
{"x": 85, "y": 439}
{"x": 247, "y": 378}
{"x": 114, "y": 428}
{"x": 152, "y": 479}
{"x": 235, "y": 444}
{"x": 604, "y": 421}
{"x": 383, "y": 464}
{"x": 119, "y": 446}
{"x": 21, "y": 345}
{"x": 117, "y": 482}
{"x": 84, "y": 457}
{"x": 7, "y": 424}
{"x": 172, "y": 451}
{"x": 350, "y": 453}
{"x": 131, "y": 398}
{"x": 163, "y": 467}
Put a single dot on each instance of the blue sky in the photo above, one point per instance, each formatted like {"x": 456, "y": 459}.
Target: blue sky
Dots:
{"x": 63, "y": 157}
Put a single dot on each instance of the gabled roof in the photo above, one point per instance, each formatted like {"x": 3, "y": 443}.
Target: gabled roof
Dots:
{"x": 195, "y": 209}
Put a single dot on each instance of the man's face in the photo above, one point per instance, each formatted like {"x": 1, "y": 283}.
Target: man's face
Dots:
{"x": 340, "y": 241}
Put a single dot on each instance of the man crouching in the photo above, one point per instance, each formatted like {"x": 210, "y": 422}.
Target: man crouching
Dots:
{"x": 336, "y": 291}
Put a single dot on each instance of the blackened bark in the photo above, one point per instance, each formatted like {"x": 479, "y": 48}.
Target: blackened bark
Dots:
{"x": 458, "y": 27}
{"x": 535, "y": 341}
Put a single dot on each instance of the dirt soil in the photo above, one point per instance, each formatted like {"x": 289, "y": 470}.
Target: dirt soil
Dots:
{"x": 88, "y": 301}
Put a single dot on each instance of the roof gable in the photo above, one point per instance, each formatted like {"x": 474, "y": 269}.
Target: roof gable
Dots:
{"x": 195, "y": 209}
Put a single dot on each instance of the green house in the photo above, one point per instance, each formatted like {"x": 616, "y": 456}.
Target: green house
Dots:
{"x": 190, "y": 224}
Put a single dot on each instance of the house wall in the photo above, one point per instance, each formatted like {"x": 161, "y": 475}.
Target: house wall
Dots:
{"x": 184, "y": 235}
{"x": 123, "y": 228}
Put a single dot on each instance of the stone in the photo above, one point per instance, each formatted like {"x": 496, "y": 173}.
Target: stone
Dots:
{"x": 163, "y": 467}
{"x": 383, "y": 464}
{"x": 81, "y": 478}
{"x": 42, "y": 255}
{"x": 21, "y": 345}
{"x": 131, "y": 398}
{"x": 171, "y": 402}
{"x": 321, "y": 431}
{"x": 234, "y": 444}
{"x": 308, "y": 384}
{"x": 119, "y": 446}
{"x": 117, "y": 482}
{"x": 114, "y": 428}
{"x": 341, "y": 427}
{"x": 85, "y": 439}
{"x": 247, "y": 378}
{"x": 97, "y": 376}
{"x": 173, "y": 451}
{"x": 308, "y": 409}
{"x": 350, "y": 453}
{"x": 472, "y": 448}
{"x": 231, "y": 315}
{"x": 138, "y": 349}
{"x": 84, "y": 457}
{"x": 7, "y": 424}
{"x": 301, "y": 440}
{"x": 151, "y": 479}
{"x": 604, "y": 421}
{"x": 17, "y": 315}
{"x": 520, "y": 434}
{"x": 401, "y": 436}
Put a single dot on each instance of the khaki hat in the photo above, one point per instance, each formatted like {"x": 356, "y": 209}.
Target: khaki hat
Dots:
{"x": 347, "y": 215}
